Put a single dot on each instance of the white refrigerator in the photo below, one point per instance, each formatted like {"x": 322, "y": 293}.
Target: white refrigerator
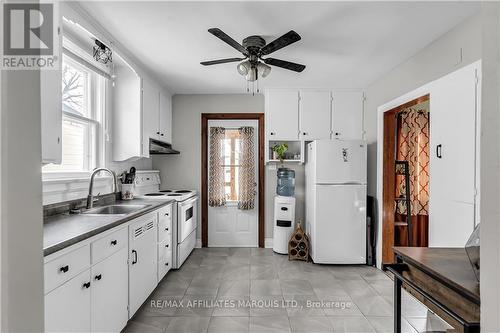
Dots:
{"x": 336, "y": 201}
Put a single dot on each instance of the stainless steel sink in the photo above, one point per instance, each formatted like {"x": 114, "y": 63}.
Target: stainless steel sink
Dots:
{"x": 115, "y": 210}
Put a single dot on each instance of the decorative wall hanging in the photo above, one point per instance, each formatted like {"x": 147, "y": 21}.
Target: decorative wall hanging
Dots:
{"x": 298, "y": 246}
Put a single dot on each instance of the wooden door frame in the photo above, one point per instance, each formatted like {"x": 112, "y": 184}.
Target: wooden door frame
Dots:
{"x": 205, "y": 117}
{"x": 388, "y": 178}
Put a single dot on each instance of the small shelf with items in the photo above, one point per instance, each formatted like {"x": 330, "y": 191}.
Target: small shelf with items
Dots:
{"x": 290, "y": 151}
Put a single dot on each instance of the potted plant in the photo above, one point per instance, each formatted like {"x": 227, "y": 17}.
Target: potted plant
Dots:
{"x": 280, "y": 150}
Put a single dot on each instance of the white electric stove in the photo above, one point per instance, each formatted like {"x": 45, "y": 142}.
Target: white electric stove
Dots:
{"x": 185, "y": 218}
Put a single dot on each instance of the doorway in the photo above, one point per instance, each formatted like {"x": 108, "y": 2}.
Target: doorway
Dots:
{"x": 232, "y": 180}
{"x": 406, "y": 175}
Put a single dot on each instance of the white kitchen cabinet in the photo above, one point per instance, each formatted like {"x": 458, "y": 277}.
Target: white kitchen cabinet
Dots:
{"x": 165, "y": 118}
{"x": 454, "y": 113}
{"x": 67, "y": 308}
{"x": 282, "y": 114}
{"x": 143, "y": 260}
{"x": 51, "y": 109}
{"x": 347, "y": 115}
{"x": 127, "y": 115}
{"x": 164, "y": 241}
{"x": 315, "y": 114}
{"x": 150, "y": 114}
{"x": 110, "y": 293}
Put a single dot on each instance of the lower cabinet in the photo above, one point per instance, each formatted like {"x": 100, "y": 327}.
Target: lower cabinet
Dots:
{"x": 67, "y": 308}
{"x": 110, "y": 293}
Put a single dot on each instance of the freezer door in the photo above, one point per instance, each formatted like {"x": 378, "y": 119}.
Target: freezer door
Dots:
{"x": 339, "y": 235}
{"x": 340, "y": 162}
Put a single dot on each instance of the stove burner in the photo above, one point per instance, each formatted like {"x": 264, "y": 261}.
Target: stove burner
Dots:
{"x": 165, "y": 191}
{"x": 153, "y": 194}
{"x": 183, "y": 191}
{"x": 174, "y": 195}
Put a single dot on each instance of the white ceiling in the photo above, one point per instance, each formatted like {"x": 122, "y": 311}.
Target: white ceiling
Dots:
{"x": 344, "y": 44}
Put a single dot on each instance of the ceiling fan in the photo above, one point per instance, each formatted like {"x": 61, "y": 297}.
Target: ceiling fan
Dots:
{"x": 253, "y": 49}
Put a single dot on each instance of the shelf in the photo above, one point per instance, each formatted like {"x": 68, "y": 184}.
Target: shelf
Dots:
{"x": 284, "y": 161}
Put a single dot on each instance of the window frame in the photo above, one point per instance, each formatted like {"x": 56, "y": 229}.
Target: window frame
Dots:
{"x": 97, "y": 107}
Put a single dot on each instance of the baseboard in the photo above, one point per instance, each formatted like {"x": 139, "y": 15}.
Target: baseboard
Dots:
{"x": 268, "y": 243}
{"x": 198, "y": 243}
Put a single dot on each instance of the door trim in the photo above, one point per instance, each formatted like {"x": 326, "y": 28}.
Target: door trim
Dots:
{"x": 388, "y": 178}
{"x": 205, "y": 117}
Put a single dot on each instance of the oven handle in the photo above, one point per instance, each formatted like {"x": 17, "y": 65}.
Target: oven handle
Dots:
{"x": 188, "y": 202}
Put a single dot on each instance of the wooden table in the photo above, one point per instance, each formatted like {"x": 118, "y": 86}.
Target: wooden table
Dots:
{"x": 443, "y": 280}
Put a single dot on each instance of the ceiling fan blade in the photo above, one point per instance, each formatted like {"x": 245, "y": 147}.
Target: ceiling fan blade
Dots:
{"x": 285, "y": 64}
{"x": 225, "y": 38}
{"x": 220, "y": 61}
{"x": 279, "y": 43}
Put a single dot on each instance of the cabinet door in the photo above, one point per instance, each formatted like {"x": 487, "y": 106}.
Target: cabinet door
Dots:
{"x": 110, "y": 293}
{"x": 143, "y": 260}
{"x": 453, "y": 107}
{"x": 150, "y": 114}
{"x": 165, "y": 118}
{"x": 347, "y": 115}
{"x": 67, "y": 308}
{"x": 282, "y": 114}
{"x": 315, "y": 115}
{"x": 51, "y": 110}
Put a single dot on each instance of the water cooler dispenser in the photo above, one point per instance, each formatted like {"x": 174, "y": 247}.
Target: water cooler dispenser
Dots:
{"x": 284, "y": 210}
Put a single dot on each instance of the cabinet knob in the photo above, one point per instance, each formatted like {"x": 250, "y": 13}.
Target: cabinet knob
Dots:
{"x": 64, "y": 269}
{"x": 114, "y": 242}
{"x": 157, "y": 132}
{"x": 166, "y": 264}
{"x": 166, "y": 214}
{"x": 98, "y": 277}
{"x": 304, "y": 133}
{"x": 166, "y": 245}
{"x": 86, "y": 285}
{"x": 272, "y": 133}
{"x": 166, "y": 229}
{"x": 161, "y": 134}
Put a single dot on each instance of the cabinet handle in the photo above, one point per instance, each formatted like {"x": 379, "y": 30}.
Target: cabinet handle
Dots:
{"x": 86, "y": 285}
{"x": 166, "y": 229}
{"x": 114, "y": 242}
{"x": 438, "y": 151}
{"x": 166, "y": 214}
{"x": 134, "y": 261}
{"x": 98, "y": 277}
{"x": 166, "y": 264}
{"x": 166, "y": 245}
{"x": 64, "y": 269}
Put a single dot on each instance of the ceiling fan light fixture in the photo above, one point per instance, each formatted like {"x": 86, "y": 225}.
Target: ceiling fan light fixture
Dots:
{"x": 244, "y": 67}
{"x": 252, "y": 74}
{"x": 263, "y": 69}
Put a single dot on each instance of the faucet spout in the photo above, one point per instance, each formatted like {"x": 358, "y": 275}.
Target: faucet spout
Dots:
{"x": 90, "y": 197}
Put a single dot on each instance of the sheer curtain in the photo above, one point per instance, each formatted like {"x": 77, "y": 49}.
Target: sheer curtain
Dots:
{"x": 216, "y": 191}
{"x": 246, "y": 172}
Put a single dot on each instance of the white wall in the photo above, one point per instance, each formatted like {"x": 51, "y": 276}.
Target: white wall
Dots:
{"x": 21, "y": 201}
{"x": 455, "y": 49}
{"x": 184, "y": 170}
{"x": 490, "y": 170}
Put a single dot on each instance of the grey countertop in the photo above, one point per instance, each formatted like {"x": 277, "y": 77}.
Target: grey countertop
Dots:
{"x": 61, "y": 231}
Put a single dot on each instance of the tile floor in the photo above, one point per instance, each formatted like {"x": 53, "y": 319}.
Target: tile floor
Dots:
{"x": 233, "y": 290}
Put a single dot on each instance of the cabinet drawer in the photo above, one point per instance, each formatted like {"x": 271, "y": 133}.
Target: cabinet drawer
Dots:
{"x": 106, "y": 246}
{"x": 163, "y": 248}
{"x": 60, "y": 270}
{"x": 164, "y": 265}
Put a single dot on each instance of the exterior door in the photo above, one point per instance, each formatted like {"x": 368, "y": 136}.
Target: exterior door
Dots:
{"x": 228, "y": 225}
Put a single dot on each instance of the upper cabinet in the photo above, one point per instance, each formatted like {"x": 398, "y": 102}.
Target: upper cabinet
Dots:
{"x": 51, "y": 110}
{"x": 314, "y": 114}
{"x": 165, "y": 118}
{"x": 347, "y": 115}
{"x": 282, "y": 114}
{"x": 310, "y": 114}
{"x": 142, "y": 111}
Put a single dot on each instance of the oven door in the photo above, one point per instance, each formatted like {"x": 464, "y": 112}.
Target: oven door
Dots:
{"x": 186, "y": 218}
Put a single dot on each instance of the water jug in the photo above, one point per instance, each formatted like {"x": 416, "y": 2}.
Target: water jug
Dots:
{"x": 285, "y": 185}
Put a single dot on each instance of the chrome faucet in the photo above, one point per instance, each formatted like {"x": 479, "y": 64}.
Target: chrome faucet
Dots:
{"x": 90, "y": 197}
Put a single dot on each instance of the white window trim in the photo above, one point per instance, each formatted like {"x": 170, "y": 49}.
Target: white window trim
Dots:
{"x": 75, "y": 176}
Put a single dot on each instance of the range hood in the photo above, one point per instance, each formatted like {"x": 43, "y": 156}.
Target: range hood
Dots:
{"x": 161, "y": 148}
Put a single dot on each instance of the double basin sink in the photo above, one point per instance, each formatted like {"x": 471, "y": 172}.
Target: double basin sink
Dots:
{"x": 116, "y": 210}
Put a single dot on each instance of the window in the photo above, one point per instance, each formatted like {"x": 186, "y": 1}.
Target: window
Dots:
{"x": 83, "y": 95}
{"x": 231, "y": 163}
